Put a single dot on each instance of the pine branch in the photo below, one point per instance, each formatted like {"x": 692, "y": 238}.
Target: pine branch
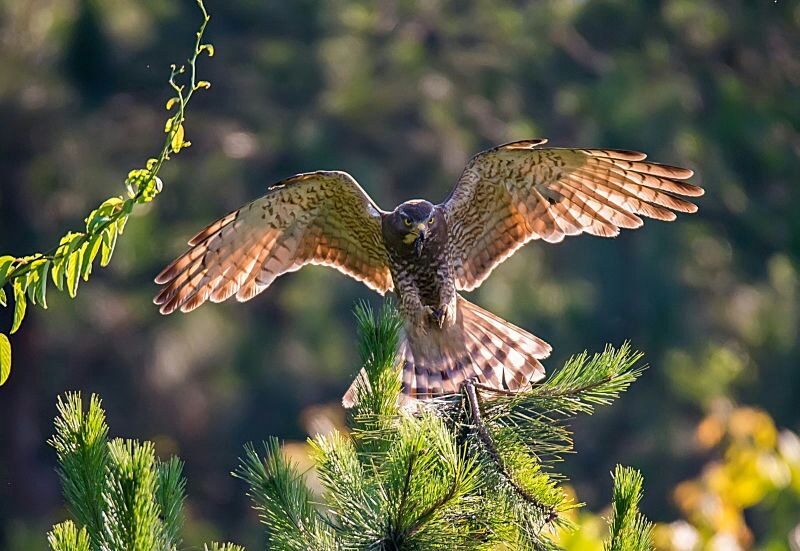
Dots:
{"x": 463, "y": 472}
{"x": 483, "y": 433}
{"x": 80, "y": 441}
{"x": 353, "y": 497}
{"x": 377, "y": 386}
{"x": 283, "y": 500}
{"x": 67, "y": 537}
{"x": 583, "y": 382}
{"x": 123, "y": 497}
{"x": 131, "y": 516}
{"x": 536, "y": 415}
{"x": 170, "y": 494}
{"x": 428, "y": 475}
{"x": 630, "y": 530}
{"x": 222, "y": 547}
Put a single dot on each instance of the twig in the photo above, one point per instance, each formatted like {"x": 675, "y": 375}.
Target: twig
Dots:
{"x": 483, "y": 433}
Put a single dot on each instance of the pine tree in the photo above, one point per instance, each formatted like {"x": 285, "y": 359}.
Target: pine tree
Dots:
{"x": 121, "y": 496}
{"x": 471, "y": 471}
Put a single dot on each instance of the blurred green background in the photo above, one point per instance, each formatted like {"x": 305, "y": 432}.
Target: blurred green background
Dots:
{"x": 400, "y": 94}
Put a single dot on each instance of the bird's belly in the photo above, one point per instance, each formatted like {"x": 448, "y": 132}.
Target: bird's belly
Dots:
{"x": 432, "y": 284}
{"x": 426, "y": 289}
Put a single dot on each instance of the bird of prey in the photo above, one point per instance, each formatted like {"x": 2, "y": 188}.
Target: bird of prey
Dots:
{"x": 427, "y": 253}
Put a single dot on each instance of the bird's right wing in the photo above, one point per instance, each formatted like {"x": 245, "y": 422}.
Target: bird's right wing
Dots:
{"x": 315, "y": 218}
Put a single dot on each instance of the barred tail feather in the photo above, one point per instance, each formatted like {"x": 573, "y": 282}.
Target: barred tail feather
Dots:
{"x": 512, "y": 353}
{"x": 479, "y": 346}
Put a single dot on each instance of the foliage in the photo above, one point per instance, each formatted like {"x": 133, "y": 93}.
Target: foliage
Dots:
{"x": 630, "y": 531}
{"x": 472, "y": 471}
{"x": 753, "y": 473}
{"x": 400, "y": 94}
{"x": 121, "y": 496}
{"x": 455, "y": 473}
{"x": 73, "y": 258}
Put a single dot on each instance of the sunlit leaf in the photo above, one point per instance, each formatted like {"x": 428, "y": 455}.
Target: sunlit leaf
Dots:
{"x": 3, "y": 297}
{"x": 19, "y": 304}
{"x": 5, "y": 358}
{"x": 37, "y": 282}
{"x": 31, "y": 280}
{"x": 171, "y": 102}
{"x": 74, "y": 264}
{"x": 65, "y": 246}
{"x": 41, "y": 288}
{"x": 109, "y": 241}
{"x": 209, "y": 48}
{"x": 5, "y": 266}
{"x": 203, "y": 84}
{"x": 120, "y": 225}
{"x": 89, "y": 255}
{"x": 177, "y": 139}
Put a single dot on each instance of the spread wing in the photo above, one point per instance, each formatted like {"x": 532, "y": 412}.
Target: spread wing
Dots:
{"x": 315, "y": 218}
{"x": 516, "y": 192}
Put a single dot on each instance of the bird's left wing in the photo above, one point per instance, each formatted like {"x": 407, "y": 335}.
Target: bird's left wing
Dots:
{"x": 316, "y": 218}
{"x": 517, "y": 192}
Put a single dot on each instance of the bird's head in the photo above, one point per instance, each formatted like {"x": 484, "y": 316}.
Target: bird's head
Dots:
{"x": 412, "y": 223}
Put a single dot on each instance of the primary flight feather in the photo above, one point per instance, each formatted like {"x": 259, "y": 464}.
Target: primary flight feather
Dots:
{"x": 425, "y": 253}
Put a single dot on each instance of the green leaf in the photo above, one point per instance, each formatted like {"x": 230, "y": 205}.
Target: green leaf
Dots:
{"x": 37, "y": 282}
{"x": 66, "y": 246}
{"x": 19, "y": 304}
{"x": 74, "y": 263}
{"x": 33, "y": 277}
{"x": 90, "y": 254}
{"x": 5, "y": 358}
{"x": 109, "y": 208}
{"x": 60, "y": 263}
{"x": 5, "y": 267}
{"x": 177, "y": 139}
{"x": 96, "y": 220}
{"x": 31, "y": 281}
{"x": 109, "y": 241}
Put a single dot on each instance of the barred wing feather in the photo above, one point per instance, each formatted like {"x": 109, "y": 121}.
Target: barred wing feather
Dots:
{"x": 518, "y": 192}
{"x": 315, "y": 218}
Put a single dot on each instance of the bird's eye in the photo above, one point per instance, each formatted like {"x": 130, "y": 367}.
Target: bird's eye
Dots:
{"x": 430, "y": 222}
{"x": 407, "y": 222}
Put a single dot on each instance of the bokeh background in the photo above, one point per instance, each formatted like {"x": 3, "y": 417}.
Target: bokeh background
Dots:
{"x": 400, "y": 94}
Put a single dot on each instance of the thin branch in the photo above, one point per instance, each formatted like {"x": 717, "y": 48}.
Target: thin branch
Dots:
{"x": 488, "y": 442}
{"x": 404, "y": 495}
{"x": 423, "y": 518}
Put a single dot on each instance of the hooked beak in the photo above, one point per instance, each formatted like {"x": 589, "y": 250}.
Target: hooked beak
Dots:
{"x": 420, "y": 240}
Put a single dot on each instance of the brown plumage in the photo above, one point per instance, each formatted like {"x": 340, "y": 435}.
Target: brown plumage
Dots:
{"x": 425, "y": 253}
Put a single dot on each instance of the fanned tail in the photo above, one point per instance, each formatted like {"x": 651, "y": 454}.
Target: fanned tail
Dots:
{"x": 479, "y": 346}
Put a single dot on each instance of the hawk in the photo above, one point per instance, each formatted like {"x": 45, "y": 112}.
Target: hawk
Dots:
{"x": 427, "y": 253}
